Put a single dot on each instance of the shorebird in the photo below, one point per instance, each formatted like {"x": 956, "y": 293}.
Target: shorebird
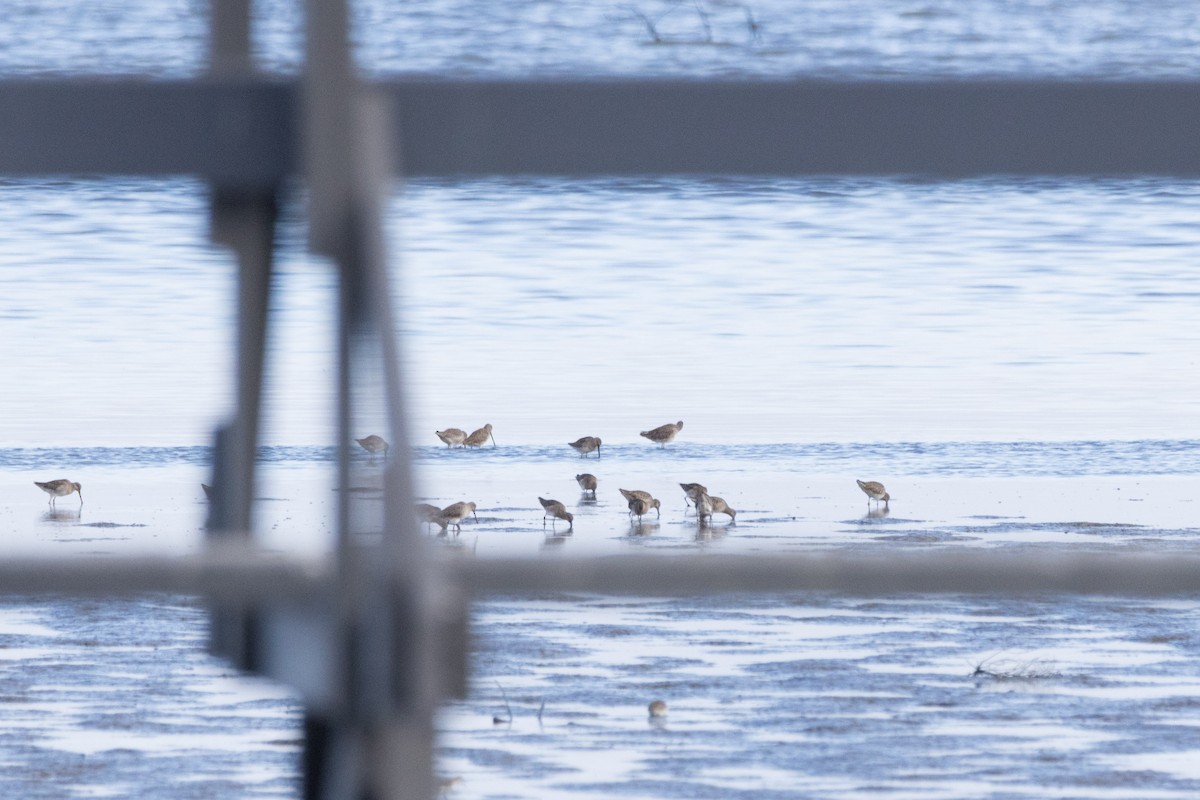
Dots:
{"x": 645, "y": 497}
{"x": 553, "y": 510}
{"x": 455, "y": 513}
{"x": 374, "y": 444}
{"x": 586, "y": 445}
{"x": 874, "y": 491}
{"x": 639, "y": 506}
{"x": 452, "y": 436}
{"x": 707, "y": 505}
{"x": 719, "y": 506}
{"x": 704, "y": 506}
{"x": 690, "y": 490}
{"x": 658, "y": 708}
{"x": 60, "y": 488}
{"x": 587, "y": 482}
{"x": 477, "y": 438}
{"x": 663, "y": 433}
{"x": 430, "y": 515}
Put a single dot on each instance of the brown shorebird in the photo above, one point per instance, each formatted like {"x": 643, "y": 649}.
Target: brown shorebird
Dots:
{"x": 874, "y": 491}
{"x": 663, "y": 433}
{"x": 707, "y": 505}
{"x": 60, "y": 488}
{"x": 719, "y": 506}
{"x": 639, "y": 506}
{"x": 553, "y": 510}
{"x": 455, "y": 513}
{"x": 452, "y": 436}
{"x": 374, "y": 444}
{"x": 586, "y": 445}
{"x": 430, "y": 515}
{"x": 637, "y": 494}
{"x": 658, "y": 708}
{"x": 689, "y": 492}
{"x": 587, "y": 482}
{"x": 477, "y": 438}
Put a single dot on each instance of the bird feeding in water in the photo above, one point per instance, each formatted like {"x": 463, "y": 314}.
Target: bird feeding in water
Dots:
{"x": 374, "y": 444}
{"x": 452, "y": 436}
{"x": 455, "y": 513}
{"x": 60, "y": 488}
{"x": 553, "y": 510}
{"x": 874, "y": 491}
{"x": 585, "y": 445}
{"x": 645, "y": 497}
{"x": 690, "y": 490}
{"x": 430, "y": 515}
{"x": 478, "y": 437}
{"x": 587, "y": 482}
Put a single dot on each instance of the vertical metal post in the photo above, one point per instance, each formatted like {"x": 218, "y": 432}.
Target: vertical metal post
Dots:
{"x": 245, "y": 221}
{"x": 379, "y": 741}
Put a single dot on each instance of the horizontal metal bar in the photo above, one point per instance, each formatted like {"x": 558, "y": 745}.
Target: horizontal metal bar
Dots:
{"x": 237, "y": 133}
{"x": 242, "y": 133}
{"x": 242, "y": 576}
{"x": 799, "y": 128}
{"x": 233, "y": 575}
{"x": 972, "y": 571}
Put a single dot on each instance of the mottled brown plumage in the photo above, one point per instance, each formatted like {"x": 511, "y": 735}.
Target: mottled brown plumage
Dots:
{"x": 874, "y": 491}
{"x": 689, "y": 491}
{"x": 645, "y": 497}
{"x": 586, "y": 445}
{"x": 552, "y": 510}
{"x": 663, "y": 433}
{"x": 587, "y": 482}
{"x": 455, "y": 513}
{"x": 374, "y": 444}
{"x": 452, "y": 436}
{"x": 60, "y": 488}
{"x": 479, "y": 437}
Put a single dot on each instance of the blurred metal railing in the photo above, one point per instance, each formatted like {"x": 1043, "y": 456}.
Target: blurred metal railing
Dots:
{"x": 373, "y": 636}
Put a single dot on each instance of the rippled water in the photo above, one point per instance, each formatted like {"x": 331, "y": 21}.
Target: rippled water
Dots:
{"x": 1015, "y": 358}
{"x": 759, "y": 311}
{"x": 1118, "y": 39}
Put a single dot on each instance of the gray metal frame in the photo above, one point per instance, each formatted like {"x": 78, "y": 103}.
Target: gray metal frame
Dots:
{"x": 374, "y": 637}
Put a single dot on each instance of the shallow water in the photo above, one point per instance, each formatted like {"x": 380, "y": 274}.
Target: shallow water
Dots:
{"x": 756, "y": 311}
{"x": 1014, "y": 358}
{"x": 1117, "y": 39}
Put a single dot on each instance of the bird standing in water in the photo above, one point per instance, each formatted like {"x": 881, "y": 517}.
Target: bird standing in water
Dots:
{"x": 874, "y": 491}
{"x": 60, "y": 488}
{"x": 477, "y": 438}
{"x": 663, "y": 433}
{"x": 586, "y": 445}
{"x": 374, "y": 444}
{"x": 452, "y": 436}
{"x": 552, "y": 510}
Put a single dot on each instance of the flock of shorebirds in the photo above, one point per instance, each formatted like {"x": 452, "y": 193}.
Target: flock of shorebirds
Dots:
{"x": 638, "y": 501}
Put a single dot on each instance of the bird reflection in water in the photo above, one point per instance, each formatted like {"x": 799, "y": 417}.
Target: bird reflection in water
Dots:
{"x": 62, "y": 515}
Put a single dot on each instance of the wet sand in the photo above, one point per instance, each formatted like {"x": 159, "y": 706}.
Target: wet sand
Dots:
{"x": 801, "y": 695}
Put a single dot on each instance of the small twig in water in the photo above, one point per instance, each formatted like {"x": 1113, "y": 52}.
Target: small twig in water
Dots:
{"x": 1028, "y": 671}
{"x": 752, "y": 24}
{"x": 507, "y": 718}
{"x": 649, "y": 23}
{"x": 703, "y": 20}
